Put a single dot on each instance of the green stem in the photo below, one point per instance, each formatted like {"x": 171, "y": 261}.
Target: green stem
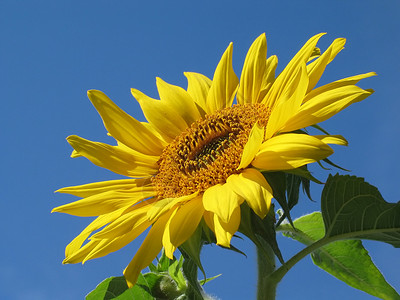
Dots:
{"x": 268, "y": 276}
{"x": 282, "y": 270}
{"x": 266, "y": 286}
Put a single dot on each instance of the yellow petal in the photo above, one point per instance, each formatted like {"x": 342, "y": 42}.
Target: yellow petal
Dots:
{"x": 73, "y": 252}
{"x": 268, "y": 77}
{"x": 290, "y": 151}
{"x": 225, "y": 230}
{"x": 79, "y": 255}
{"x": 252, "y": 146}
{"x": 155, "y": 132}
{"x": 107, "y": 246}
{"x": 182, "y": 224}
{"x": 221, "y": 200}
{"x": 224, "y": 84}
{"x": 114, "y": 158}
{"x": 132, "y": 217}
{"x": 349, "y": 81}
{"x": 332, "y": 139}
{"x": 163, "y": 205}
{"x": 123, "y": 127}
{"x": 325, "y": 105}
{"x": 317, "y": 67}
{"x": 253, "y": 71}
{"x": 86, "y": 190}
{"x": 162, "y": 116}
{"x": 106, "y": 202}
{"x": 179, "y": 100}
{"x": 208, "y": 217}
{"x": 147, "y": 252}
{"x": 252, "y": 186}
{"x": 198, "y": 88}
{"x": 282, "y": 80}
{"x": 289, "y": 103}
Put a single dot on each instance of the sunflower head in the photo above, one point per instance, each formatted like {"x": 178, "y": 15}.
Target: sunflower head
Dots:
{"x": 199, "y": 156}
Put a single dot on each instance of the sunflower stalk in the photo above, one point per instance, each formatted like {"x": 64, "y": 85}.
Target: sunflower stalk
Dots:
{"x": 266, "y": 285}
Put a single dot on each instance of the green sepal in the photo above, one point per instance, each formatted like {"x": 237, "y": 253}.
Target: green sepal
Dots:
{"x": 192, "y": 247}
{"x": 260, "y": 231}
{"x": 303, "y": 172}
{"x": 316, "y": 126}
{"x": 277, "y": 181}
{"x": 266, "y": 233}
{"x": 334, "y": 165}
{"x": 153, "y": 268}
{"x": 204, "y": 281}
{"x": 163, "y": 262}
{"x": 292, "y": 192}
{"x": 246, "y": 226}
{"x": 175, "y": 271}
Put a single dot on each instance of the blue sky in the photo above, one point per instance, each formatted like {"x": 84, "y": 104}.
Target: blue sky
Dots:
{"x": 52, "y": 52}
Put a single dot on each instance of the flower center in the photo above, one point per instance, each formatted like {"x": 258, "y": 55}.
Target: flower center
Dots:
{"x": 207, "y": 152}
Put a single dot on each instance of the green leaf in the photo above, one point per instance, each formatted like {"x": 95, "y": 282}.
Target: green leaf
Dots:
{"x": 347, "y": 260}
{"x": 116, "y": 288}
{"x": 352, "y": 208}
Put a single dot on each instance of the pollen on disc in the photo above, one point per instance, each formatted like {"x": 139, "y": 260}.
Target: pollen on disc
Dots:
{"x": 207, "y": 152}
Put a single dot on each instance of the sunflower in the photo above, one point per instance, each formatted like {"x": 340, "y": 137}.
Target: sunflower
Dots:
{"x": 199, "y": 156}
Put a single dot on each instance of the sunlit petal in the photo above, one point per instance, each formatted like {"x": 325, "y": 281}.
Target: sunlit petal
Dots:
{"x": 147, "y": 252}
{"x": 253, "y": 71}
{"x": 224, "y": 84}
{"x": 290, "y": 151}
{"x": 164, "y": 205}
{"x": 221, "y": 200}
{"x": 123, "y": 127}
{"x": 325, "y": 105}
{"x": 332, "y": 139}
{"x": 106, "y": 202}
{"x": 252, "y": 186}
{"x": 90, "y": 189}
{"x": 162, "y": 116}
{"x": 283, "y": 78}
{"x": 252, "y": 146}
{"x": 290, "y": 102}
{"x": 181, "y": 225}
{"x": 224, "y": 231}
{"x": 198, "y": 88}
{"x": 317, "y": 67}
{"x": 114, "y": 158}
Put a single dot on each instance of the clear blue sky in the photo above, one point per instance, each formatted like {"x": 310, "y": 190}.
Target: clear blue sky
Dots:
{"x": 51, "y": 52}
